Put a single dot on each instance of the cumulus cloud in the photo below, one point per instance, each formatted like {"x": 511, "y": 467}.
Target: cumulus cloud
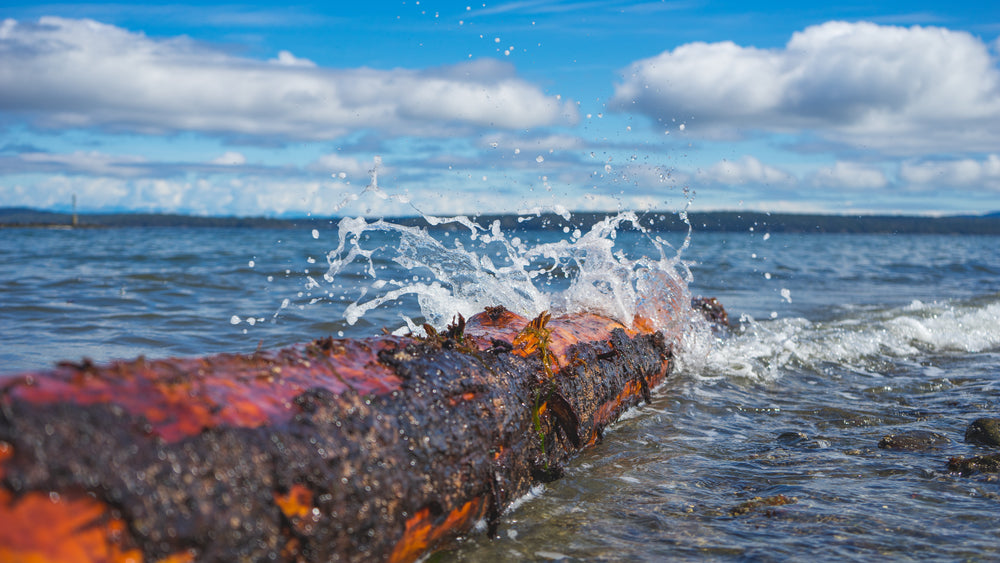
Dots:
{"x": 286, "y": 58}
{"x": 66, "y": 73}
{"x": 343, "y": 166}
{"x": 251, "y": 196}
{"x": 965, "y": 173}
{"x": 230, "y": 158}
{"x": 850, "y": 175}
{"x": 905, "y": 90}
{"x": 747, "y": 170}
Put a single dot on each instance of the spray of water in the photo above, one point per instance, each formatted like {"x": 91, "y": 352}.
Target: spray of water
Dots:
{"x": 488, "y": 267}
{"x": 454, "y": 265}
{"x": 615, "y": 267}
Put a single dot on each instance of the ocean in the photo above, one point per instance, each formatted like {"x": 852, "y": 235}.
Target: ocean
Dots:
{"x": 763, "y": 445}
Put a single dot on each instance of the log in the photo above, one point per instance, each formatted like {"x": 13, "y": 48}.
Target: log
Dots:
{"x": 378, "y": 449}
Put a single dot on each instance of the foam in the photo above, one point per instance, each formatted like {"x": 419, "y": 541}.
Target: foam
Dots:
{"x": 765, "y": 350}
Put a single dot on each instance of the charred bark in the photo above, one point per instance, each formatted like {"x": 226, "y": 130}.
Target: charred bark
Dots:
{"x": 349, "y": 450}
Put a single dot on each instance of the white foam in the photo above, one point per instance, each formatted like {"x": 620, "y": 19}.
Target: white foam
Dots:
{"x": 532, "y": 493}
{"x": 765, "y": 349}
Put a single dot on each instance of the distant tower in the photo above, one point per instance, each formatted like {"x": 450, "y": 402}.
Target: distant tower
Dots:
{"x": 75, "y": 218}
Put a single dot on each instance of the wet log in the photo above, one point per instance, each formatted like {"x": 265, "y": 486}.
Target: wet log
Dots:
{"x": 336, "y": 450}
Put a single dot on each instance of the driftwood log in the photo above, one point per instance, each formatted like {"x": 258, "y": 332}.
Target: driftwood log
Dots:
{"x": 336, "y": 450}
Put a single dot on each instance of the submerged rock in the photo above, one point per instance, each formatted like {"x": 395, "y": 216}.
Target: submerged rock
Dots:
{"x": 916, "y": 440}
{"x": 984, "y": 431}
{"x": 757, "y": 503}
{"x": 792, "y": 438}
{"x": 976, "y": 464}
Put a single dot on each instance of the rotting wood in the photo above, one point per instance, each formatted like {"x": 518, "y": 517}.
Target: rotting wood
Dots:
{"x": 349, "y": 450}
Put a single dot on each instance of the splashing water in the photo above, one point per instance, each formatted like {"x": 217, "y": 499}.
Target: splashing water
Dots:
{"x": 864, "y": 340}
{"x": 617, "y": 269}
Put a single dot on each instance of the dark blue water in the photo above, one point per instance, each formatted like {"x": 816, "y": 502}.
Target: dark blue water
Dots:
{"x": 843, "y": 340}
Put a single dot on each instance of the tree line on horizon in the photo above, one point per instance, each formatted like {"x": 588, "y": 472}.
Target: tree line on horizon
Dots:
{"x": 710, "y": 221}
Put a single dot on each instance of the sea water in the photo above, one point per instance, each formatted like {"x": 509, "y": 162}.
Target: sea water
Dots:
{"x": 838, "y": 341}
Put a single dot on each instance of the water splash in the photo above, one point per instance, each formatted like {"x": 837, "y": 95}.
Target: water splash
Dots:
{"x": 863, "y": 340}
{"x": 454, "y": 265}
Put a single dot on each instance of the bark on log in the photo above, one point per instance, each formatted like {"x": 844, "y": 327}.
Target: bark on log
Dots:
{"x": 336, "y": 450}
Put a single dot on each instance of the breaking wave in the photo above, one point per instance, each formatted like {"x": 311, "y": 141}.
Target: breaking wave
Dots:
{"x": 863, "y": 339}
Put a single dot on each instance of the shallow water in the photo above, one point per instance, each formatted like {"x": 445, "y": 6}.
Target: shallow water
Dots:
{"x": 844, "y": 339}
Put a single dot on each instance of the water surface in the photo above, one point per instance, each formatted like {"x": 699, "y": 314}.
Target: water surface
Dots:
{"x": 762, "y": 446}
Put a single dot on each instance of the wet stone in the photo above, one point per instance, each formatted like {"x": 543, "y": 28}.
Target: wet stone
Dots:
{"x": 766, "y": 504}
{"x": 984, "y": 431}
{"x": 792, "y": 438}
{"x": 914, "y": 441}
{"x": 975, "y": 464}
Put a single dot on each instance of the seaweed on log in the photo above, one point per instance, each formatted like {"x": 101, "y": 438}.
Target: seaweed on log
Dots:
{"x": 336, "y": 450}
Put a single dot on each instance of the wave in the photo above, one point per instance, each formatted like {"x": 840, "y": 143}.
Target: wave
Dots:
{"x": 862, "y": 338}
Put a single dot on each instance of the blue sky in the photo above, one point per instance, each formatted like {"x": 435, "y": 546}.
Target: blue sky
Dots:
{"x": 268, "y": 109}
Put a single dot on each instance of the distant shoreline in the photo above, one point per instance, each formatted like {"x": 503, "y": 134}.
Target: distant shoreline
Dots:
{"x": 708, "y": 221}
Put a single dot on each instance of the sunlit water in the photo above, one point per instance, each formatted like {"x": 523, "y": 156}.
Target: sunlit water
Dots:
{"x": 842, "y": 340}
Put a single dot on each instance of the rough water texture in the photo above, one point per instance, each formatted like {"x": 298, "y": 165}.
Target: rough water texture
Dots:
{"x": 840, "y": 342}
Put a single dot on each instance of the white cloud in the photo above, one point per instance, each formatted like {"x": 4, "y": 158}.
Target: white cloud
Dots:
{"x": 286, "y": 58}
{"x": 902, "y": 90}
{"x": 65, "y": 73}
{"x": 336, "y": 164}
{"x": 746, "y": 170}
{"x": 850, "y": 175}
{"x": 230, "y": 158}
{"x": 78, "y": 162}
{"x": 963, "y": 173}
